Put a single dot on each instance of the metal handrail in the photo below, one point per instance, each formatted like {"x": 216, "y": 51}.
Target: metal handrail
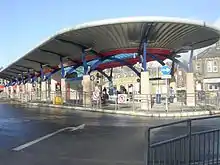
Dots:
{"x": 204, "y": 153}
{"x": 167, "y": 141}
{"x": 183, "y": 121}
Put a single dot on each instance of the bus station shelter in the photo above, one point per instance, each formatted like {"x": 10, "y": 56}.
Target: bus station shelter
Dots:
{"x": 110, "y": 43}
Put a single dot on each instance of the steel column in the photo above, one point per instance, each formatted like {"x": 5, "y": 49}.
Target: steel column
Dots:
{"x": 41, "y": 72}
{"x": 62, "y": 68}
{"x": 22, "y": 78}
{"x": 172, "y": 68}
{"x": 110, "y": 82}
{"x": 85, "y": 65}
{"x": 144, "y": 62}
{"x": 72, "y": 69}
{"x": 34, "y": 79}
{"x": 13, "y": 83}
{"x": 190, "y": 61}
{"x": 54, "y": 71}
{"x": 157, "y": 59}
{"x": 17, "y": 81}
{"x": 29, "y": 76}
{"x": 105, "y": 75}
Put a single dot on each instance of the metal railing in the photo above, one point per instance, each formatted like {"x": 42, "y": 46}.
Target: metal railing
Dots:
{"x": 192, "y": 147}
{"x": 133, "y": 102}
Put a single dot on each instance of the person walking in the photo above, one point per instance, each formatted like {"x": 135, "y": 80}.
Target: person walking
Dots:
{"x": 172, "y": 95}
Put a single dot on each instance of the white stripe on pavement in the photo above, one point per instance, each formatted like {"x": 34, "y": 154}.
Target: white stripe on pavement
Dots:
{"x": 47, "y": 136}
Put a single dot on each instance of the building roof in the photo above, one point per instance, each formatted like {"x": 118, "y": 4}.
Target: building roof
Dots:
{"x": 209, "y": 53}
{"x": 112, "y": 37}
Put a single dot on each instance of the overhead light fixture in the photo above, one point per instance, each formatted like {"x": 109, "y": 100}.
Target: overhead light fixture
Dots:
{"x": 88, "y": 49}
{"x": 45, "y": 64}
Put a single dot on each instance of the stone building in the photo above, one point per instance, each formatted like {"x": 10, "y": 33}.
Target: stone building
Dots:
{"x": 207, "y": 70}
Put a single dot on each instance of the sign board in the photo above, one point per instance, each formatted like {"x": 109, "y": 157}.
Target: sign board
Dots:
{"x": 165, "y": 70}
{"x": 95, "y": 96}
{"x": 122, "y": 98}
{"x": 212, "y": 80}
{"x": 92, "y": 78}
{"x": 166, "y": 76}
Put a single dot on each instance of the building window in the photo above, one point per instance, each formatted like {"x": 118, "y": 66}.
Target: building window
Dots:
{"x": 209, "y": 66}
{"x": 213, "y": 87}
{"x": 215, "y": 66}
{"x": 197, "y": 66}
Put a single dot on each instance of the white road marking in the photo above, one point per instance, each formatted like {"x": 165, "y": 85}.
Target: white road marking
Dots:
{"x": 47, "y": 136}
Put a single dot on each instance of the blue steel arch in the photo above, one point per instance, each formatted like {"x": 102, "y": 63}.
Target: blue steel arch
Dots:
{"x": 113, "y": 58}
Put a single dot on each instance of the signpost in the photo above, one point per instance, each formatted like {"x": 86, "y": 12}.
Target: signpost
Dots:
{"x": 165, "y": 70}
{"x": 122, "y": 98}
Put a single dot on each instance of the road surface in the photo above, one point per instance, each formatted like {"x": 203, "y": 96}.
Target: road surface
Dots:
{"x": 106, "y": 139}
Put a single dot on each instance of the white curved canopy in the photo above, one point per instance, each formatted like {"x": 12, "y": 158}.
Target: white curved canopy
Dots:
{"x": 115, "y": 34}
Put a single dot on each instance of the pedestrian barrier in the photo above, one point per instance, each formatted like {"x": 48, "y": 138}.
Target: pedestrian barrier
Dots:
{"x": 124, "y": 102}
{"x": 122, "y": 98}
{"x": 193, "y": 147}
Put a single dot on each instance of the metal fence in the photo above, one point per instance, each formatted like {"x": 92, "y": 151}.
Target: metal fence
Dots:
{"x": 151, "y": 103}
{"x": 132, "y": 102}
{"x": 193, "y": 147}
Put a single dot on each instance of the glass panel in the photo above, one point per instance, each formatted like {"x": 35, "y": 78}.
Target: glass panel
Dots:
{"x": 215, "y": 66}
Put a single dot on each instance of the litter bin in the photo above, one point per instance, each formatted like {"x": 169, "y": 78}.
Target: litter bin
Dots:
{"x": 58, "y": 100}
{"x": 158, "y": 98}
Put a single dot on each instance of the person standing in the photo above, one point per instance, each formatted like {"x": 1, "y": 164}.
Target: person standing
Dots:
{"x": 172, "y": 95}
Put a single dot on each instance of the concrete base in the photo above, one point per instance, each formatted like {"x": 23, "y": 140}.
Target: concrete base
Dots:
{"x": 190, "y": 90}
{"x": 71, "y": 109}
{"x": 43, "y": 91}
{"x": 86, "y": 83}
{"x": 21, "y": 88}
{"x": 18, "y": 91}
{"x": 29, "y": 87}
{"x": 145, "y": 91}
{"x": 53, "y": 88}
{"x": 7, "y": 92}
{"x": 12, "y": 92}
{"x": 53, "y": 85}
{"x": 63, "y": 89}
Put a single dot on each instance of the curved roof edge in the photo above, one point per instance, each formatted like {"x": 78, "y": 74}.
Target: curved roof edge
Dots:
{"x": 139, "y": 19}
{"x": 120, "y": 20}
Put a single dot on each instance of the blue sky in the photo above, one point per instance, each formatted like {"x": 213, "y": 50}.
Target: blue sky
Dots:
{"x": 25, "y": 23}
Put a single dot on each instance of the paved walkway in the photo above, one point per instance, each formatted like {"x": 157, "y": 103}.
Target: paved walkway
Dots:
{"x": 124, "y": 111}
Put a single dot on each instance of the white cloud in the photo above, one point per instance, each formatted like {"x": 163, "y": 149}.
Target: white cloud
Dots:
{"x": 217, "y": 23}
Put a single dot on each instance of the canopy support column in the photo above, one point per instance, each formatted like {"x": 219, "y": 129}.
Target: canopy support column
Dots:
{"x": 63, "y": 81}
{"x": 43, "y": 85}
{"x": 62, "y": 68}
{"x": 111, "y": 82}
{"x": 41, "y": 72}
{"x": 145, "y": 83}
{"x": 86, "y": 82}
{"x": 144, "y": 62}
{"x": 190, "y": 84}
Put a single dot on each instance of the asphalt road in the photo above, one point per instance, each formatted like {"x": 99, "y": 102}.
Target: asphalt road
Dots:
{"x": 106, "y": 139}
